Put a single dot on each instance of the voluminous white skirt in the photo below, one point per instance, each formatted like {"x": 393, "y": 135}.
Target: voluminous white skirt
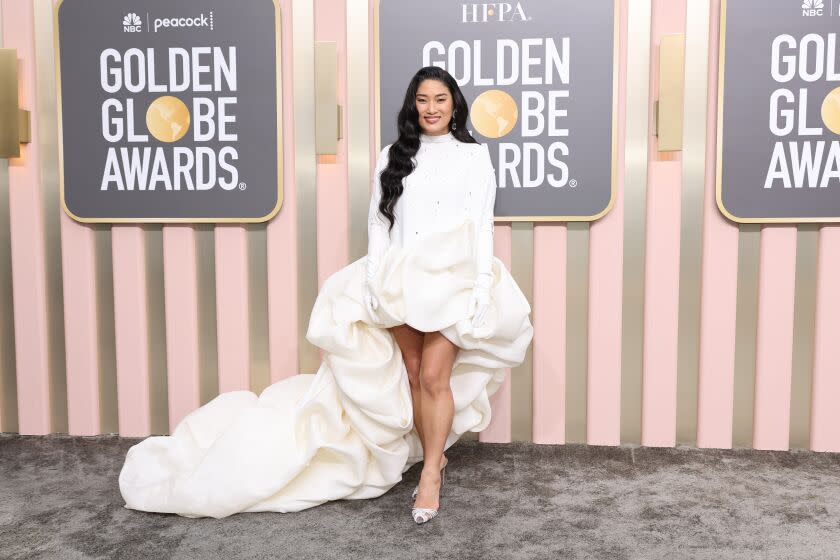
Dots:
{"x": 345, "y": 432}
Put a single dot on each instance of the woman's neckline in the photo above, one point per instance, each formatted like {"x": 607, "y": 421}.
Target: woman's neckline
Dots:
{"x": 434, "y": 138}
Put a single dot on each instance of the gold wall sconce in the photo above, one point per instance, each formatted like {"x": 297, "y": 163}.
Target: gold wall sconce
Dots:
{"x": 14, "y": 121}
{"x": 668, "y": 110}
{"x": 328, "y": 113}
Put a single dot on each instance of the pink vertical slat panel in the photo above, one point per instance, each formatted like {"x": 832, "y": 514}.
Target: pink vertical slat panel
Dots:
{"x": 26, "y": 222}
{"x": 661, "y": 306}
{"x": 774, "y": 339}
{"x": 131, "y": 330}
{"x": 180, "y": 278}
{"x": 331, "y": 193}
{"x": 719, "y": 286}
{"x": 233, "y": 330}
{"x": 606, "y": 245}
{"x": 825, "y": 414}
{"x": 281, "y": 233}
{"x": 549, "y": 346}
{"x": 499, "y": 429}
{"x": 81, "y": 325}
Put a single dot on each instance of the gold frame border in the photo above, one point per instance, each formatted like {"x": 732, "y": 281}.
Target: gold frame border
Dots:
{"x": 719, "y": 148}
{"x": 613, "y": 163}
{"x": 278, "y": 29}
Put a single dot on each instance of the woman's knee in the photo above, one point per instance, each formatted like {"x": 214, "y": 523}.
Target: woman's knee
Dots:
{"x": 412, "y": 366}
{"x": 434, "y": 380}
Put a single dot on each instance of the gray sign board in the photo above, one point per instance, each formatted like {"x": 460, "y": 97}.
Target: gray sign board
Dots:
{"x": 169, "y": 111}
{"x": 779, "y": 111}
{"x": 539, "y": 76}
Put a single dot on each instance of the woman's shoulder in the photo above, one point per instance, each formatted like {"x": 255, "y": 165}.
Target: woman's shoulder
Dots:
{"x": 478, "y": 153}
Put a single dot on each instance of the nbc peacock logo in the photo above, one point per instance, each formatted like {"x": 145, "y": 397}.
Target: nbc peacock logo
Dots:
{"x": 132, "y": 23}
{"x": 811, "y": 8}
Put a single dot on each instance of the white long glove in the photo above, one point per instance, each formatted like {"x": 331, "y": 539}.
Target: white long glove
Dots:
{"x": 379, "y": 237}
{"x": 480, "y": 298}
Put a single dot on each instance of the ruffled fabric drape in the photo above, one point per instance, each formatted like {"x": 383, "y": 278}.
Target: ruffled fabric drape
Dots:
{"x": 345, "y": 432}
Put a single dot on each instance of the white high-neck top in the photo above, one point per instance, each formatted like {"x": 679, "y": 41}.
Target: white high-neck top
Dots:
{"x": 451, "y": 180}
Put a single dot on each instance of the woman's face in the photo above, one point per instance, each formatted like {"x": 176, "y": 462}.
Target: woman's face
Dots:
{"x": 434, "y": 106}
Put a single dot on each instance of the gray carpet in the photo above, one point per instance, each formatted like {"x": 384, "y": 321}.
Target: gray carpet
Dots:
{"x": 59, "y": 499}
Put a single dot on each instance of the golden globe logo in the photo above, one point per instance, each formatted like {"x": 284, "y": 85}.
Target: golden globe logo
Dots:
{"x": 492, "y": 11}
{"x": 494, "y": 113}
{"x": 130, "y": 163}
{"x": 168, "y": 118}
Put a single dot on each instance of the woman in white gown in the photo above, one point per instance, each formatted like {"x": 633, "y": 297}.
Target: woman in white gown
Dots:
{"x": 417, "y": 335}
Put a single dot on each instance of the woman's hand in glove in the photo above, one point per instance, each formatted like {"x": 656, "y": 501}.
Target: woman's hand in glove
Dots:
{"x": 480, "y": 299}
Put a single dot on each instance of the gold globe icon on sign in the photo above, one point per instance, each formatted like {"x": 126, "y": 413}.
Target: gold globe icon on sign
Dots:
{"x": 168, "y": 118}
{"x": 494, "y": 113}
{"x": 830, "y": 111}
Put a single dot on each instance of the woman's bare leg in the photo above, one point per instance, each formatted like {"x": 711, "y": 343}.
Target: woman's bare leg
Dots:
{"x": 410, "y": 341}
{"x": 438, "y": 410}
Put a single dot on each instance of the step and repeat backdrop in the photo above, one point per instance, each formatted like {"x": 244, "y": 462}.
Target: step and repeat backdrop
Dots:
{"x": 172, "y": 113}
{"x": 660, "y": 316}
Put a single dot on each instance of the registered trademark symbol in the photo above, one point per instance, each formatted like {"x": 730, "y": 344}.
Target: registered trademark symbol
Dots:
{"x": 573, "y": 183}
{"x": 241, "y": 186}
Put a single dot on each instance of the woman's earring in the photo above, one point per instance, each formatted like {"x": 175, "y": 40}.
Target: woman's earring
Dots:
{"x": 452, "y": 121}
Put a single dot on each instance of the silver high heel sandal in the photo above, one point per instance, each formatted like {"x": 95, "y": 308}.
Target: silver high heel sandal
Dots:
{"x": 422, "y": 515}
{"x": 417, "y": 488}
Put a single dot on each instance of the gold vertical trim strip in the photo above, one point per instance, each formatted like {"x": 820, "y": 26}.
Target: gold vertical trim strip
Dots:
{"x": 10, "y": 132}
{"x": 47, "y": 123}
{"x": 746, "y": 323}
{"x": 577, "y": 321}
{"x": 522, "y": 382}
{"x": 208, "y": 342}
{"x": 358, "y": 122}
{"x": 155, "y": 300}
{"x": 377, "y": 78}
{"x": 257, "y": 235}
{"x": 303, "y": 17}
{"x": 8, "y": 381}
{"x": 804, "y": 317}
{"x": 698, "y": 14}
{"x": 635, "y": 196}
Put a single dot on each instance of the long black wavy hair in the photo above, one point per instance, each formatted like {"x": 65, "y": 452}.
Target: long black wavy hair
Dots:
{"x": 400, "y": 163}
